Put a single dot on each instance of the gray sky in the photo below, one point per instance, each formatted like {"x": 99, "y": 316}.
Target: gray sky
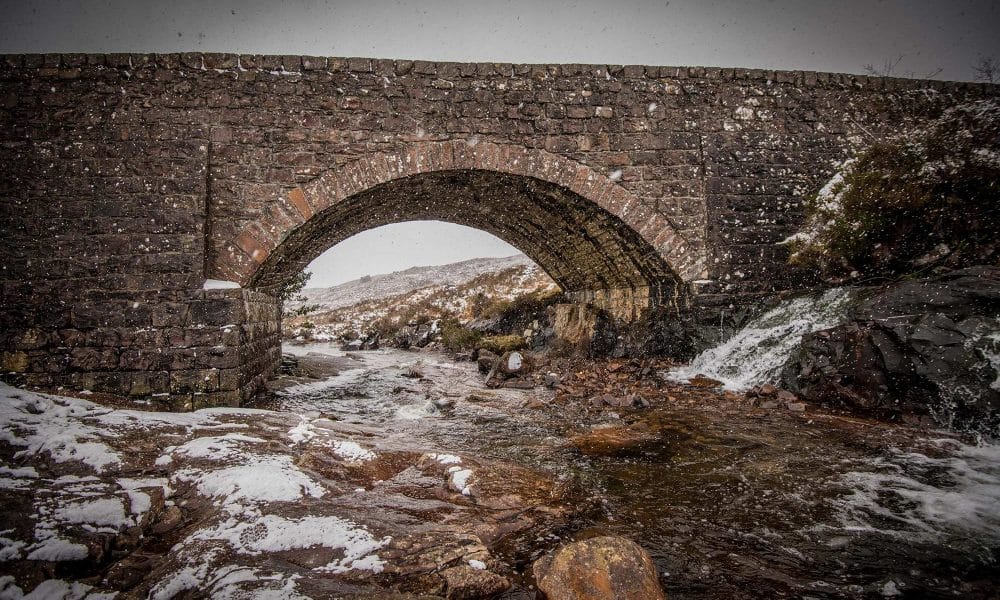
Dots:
{"x": 949, "y": 35}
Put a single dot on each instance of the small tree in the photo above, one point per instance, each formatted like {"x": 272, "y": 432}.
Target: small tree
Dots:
{"x": 292, "y": 290}
{"x": 890, "y": 68}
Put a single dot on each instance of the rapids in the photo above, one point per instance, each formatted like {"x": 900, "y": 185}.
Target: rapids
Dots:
{"x": 733, "y": 501}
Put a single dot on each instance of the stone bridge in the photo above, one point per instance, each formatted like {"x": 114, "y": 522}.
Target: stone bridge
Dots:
{"x": 130, "y": 179}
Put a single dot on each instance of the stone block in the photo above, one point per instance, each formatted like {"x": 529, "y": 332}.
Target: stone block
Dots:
{"x": 147, "y": 383}
{"x": 215, "y": 311}
{"x": 194, "y": 381}
{"x": 15, "y": 362}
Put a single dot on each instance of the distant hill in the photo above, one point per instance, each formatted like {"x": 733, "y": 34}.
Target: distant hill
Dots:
{"x": 451, "y": 290}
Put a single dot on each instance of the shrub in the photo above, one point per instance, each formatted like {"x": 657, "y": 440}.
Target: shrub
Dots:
{"x": 927, "y": 197}
{"x": 455, "y": 337}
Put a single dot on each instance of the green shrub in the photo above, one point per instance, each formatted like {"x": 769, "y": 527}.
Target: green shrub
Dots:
{"x": 454, "y": 337}
{"x": 927, "y": 197}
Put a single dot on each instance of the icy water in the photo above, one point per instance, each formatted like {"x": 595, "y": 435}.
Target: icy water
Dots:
{"x": 732, "y": 501}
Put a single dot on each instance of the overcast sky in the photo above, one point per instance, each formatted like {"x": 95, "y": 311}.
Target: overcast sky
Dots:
{"x": 948, "y": 35}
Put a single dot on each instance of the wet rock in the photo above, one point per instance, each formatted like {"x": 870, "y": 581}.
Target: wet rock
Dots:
{"x": 786, "y": 396}
{"x": 466, "y": 583}
{"x": 600, "y": 568}
{"x": 486, "y": 361}
{"x": 583, "y": 329}
{"x": 289, "y": 364}
{"x": 914, "y": 365}
{"x": 704, "y": 382}
{"x": 444, "y": 403}
{"x": 614, "y": 440}
{"x": 765, "y": 390}
{"x": 412, "y": 373}
{"x": 519, "y": 384}
{"x": 372, "y": 341}
{"x": 417, "y": 336}
{"x": 171, "y": 519}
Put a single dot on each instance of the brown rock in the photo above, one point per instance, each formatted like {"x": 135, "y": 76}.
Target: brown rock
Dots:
{"x": 486, "y": 361}
{"x": 465, "y": 583}
{"x": 786, "y": 396}
{"x": 764, "y": 390}
{"x": 609, "y": 441}
{"x": 601, "y": 568}
{"x": 705, "y": 382}
{"x": 171, "y": 519}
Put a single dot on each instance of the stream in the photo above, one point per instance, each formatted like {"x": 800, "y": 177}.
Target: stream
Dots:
{"x": 732, "y": 500}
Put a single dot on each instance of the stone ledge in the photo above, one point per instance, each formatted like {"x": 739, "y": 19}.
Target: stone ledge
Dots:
{"x": 61, "y": 65}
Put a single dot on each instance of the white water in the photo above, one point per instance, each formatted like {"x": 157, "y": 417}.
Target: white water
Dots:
{"x": 925, "y": 497}
{"x": 757, "y": 352}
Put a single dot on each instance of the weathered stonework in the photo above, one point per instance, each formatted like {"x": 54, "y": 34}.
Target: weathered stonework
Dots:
{"x": 130, "y": 179}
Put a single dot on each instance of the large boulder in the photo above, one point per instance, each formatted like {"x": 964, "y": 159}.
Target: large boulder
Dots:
{"x": 600, "y": 568}
{"x": 925, "y": 348}
{"x": 583, "y": 328}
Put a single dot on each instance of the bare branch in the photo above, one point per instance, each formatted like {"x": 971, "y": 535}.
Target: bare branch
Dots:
{"x": 987, "y": 69}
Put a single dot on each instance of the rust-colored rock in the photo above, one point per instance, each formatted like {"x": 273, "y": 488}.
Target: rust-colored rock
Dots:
{"x": 610, "y": 441}
{"x": 601, "y": 568}
{"x": 704, "y": 382}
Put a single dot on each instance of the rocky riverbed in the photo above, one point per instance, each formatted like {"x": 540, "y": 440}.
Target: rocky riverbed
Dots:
{"x": 392, "y": 474}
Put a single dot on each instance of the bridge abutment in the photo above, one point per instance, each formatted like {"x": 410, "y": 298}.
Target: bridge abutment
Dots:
{"x": 181, "y": 350}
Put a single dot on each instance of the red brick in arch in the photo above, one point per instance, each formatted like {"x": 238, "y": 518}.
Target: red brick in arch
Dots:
{"x": 244, "y": 254}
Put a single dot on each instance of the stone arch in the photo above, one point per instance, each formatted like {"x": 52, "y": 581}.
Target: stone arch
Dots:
{"x": 598, "y": 225}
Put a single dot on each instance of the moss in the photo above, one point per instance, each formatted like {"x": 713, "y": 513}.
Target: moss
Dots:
{"x": 925, "y": 198}
{"x": 498, "y": 344}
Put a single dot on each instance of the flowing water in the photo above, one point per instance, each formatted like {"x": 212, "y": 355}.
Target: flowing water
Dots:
{"x": 757, "y": 352}
{"x": 732, "y": 501}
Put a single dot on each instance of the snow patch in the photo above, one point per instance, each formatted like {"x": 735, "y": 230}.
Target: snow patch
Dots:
{"x": 264, "y": 479}
{"x": 272, "y": 533}
{"x": 50, "y": 589}
{"x": 219, "y": 284}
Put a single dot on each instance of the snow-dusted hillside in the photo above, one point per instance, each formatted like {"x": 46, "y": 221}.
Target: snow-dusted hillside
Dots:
{"x": 437, "y": 291}
{"x": 377, "y": 287}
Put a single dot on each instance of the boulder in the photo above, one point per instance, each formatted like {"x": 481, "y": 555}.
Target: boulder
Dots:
{"x": 486, "y": 361}
{"x": 467, "y": 583}
{"x": 368, "y": 342}
{"x": 513, "y": 363}
{"x": 600, "y": 568}
{"x": 586, "y": 329}
{"x": 924, "y": 349}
